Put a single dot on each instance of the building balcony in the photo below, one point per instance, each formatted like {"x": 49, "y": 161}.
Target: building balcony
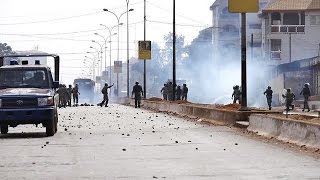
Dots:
{"x": 287, "y": 28}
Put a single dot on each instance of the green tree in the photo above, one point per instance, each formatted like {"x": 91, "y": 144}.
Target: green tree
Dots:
{"x": 5, "y": 49}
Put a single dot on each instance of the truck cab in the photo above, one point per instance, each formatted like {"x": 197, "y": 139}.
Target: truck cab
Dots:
{"x": 28, "y": 96}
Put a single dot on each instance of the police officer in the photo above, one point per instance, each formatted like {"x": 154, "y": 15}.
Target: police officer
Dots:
{"x": 236, "y": 94}
{"x": 184, "y": 92}
{"x": 164, "y": 92}
{"x": 69, "y": 95}
{"x": 289, "y": 97}
{"x": 75, "y": 94}
{"x": 104, "y": 91}
{"x": 170, "y": 91}
{"x": 268, "y": 94}
{"x": 178, "y": 93}
{"x": 138, "y": 93}
{"x": 306, "y": 94}
{"x": 63, "y": 94}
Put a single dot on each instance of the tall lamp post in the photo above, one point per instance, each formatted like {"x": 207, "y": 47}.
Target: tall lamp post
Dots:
{"x": 118, "y": 20}
{"x": 105, "y": 54}
{"x": 101, "y": 51}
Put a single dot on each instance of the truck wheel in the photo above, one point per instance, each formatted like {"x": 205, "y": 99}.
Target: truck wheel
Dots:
{"x": 50, "y": 127}
{"x": 4, "y": 129}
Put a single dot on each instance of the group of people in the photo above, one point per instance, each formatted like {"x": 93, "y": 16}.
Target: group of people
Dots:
{"x": 180, "y": 93}
{"x": 67, "y": 94}
{"x": 289, "y": 96}
{"x": 137, "y": 92}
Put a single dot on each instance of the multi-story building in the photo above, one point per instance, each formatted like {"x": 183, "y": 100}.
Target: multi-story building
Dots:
{"x": 226, "y": 31}
{"x": 291, "y": 30}
{"x": 291, "y": 42}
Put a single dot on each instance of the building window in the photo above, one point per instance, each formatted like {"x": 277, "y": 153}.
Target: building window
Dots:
{"x": 275, "y": 53}
{"x": 314, "y": 20}
{"x": 275, "y": 18}
{"x": 291, "y": 19}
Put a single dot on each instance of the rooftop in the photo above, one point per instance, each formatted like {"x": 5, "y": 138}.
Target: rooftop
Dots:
{"x": 292, "y": 5}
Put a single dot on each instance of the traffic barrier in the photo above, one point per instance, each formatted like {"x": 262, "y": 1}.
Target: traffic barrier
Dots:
{"x": 287, "y": 130}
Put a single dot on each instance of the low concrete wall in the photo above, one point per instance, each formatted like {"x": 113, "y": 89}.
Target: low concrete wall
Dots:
{"x": 211, "y": 115}
{"x": 288, "y": 130}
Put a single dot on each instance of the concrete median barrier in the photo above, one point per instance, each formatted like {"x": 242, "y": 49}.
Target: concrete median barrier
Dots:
{"x": 287, "y": 130}
{"x": 208, "y": 114}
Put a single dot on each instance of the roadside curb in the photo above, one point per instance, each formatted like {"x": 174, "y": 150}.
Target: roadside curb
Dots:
{"x": 287, "y": 130}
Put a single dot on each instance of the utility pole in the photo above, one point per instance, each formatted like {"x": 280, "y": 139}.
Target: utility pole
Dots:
{"x": 174, "y": 51}
{"x": 290, "y": 40}
{"x": 243, "y": 62}
{"x": 319, "y": 50}
{"x": 251, "y": 47}
{"x": 144, "y": 61}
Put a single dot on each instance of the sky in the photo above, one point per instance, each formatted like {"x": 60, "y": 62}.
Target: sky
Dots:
{"x": 67, "y": 27}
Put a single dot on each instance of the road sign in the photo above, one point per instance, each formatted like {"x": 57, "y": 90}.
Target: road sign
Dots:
{"x": 117, "y": 66}
{"x": 144, "y": 49}
{"x": 243, "y": 6}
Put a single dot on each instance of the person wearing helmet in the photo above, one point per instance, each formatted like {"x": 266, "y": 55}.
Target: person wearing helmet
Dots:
{"x": 306, "y": 94}
{"x": 236, "y": 94}
{"x": 268, "y": 94}
{"x": 138, "y": 93}
{"x": 289, "y": 97}
{"x": 104, "y": 91}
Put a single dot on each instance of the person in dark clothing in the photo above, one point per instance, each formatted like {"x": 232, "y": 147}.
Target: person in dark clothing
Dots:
{"x": 289, "y": 96}
{"x": 104, "y": 91}
{"x": 63, "y": 95}
{"x": 306, "y": 94}
{"x": 236, "y": 94}
{"x": 138, "y": 93}
{"x": 164, "y": 92}
{"x": 170, "y": 91}
{"x": 178, "y": 93}
{"x": 75, "y": 93}
{"x": 268, "y": 94}
{"x": 184, "y": 92}
{"x": 69, "y": 95}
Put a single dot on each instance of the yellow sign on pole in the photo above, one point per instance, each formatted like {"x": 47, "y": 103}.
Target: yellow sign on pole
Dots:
{"x": 243, "y": 6}
{"x": 144, "y": 49}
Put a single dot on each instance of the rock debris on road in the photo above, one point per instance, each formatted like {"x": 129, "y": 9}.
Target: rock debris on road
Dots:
{"x": 121, "y": 142}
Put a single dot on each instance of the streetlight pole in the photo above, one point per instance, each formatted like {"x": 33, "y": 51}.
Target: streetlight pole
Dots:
{"x": 98, "y": 53}
{"x": 101, "y": 51}
{"x": 105, "y": 54}
{"x": 118, "y": 19}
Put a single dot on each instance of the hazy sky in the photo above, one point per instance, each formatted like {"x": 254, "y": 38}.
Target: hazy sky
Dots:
{"x": 67, "y": 27}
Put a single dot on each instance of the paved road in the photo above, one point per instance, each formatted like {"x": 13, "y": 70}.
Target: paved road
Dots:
{"x": 122, "y": 142}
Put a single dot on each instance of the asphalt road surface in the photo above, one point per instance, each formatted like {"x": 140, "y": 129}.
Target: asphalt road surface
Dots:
{"x": 122, "y": 142}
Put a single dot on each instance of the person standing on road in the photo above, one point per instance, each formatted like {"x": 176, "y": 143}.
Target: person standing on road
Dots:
{"x": 164, "y": 92}
{"x": 184, "y": 92}
{"x": 63, "y": 95}
{"x": 138, "y": 93}
{"x": 289, "y": 97}
{"x": 104, "y": 91}
{"x": 69, "y": 95}
{"x": 306, "y": 94}
{"x": 268, "y": 94}
{"x": 75, "y": 93}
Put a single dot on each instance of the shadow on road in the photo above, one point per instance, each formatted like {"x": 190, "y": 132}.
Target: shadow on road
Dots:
{"x": 23, "y": 135}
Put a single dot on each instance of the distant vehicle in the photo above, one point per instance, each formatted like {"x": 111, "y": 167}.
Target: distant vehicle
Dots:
{"x": 28, "y": 94}
{"x": 86, "y": 89}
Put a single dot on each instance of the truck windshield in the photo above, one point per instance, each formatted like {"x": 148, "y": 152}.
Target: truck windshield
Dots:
{"x": 23, "y": 78}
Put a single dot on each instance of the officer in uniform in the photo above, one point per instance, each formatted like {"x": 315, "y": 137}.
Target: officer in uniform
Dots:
{"x": 236, "y": 94}
{"x": 289, "y": 97}
{"x": 306, "y": 94}
{"x": 75, "y": 93}
{"x": 268, "y": 94}
{"x": 138, "y": 93}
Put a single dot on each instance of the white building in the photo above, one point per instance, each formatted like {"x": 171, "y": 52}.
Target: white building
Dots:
{"x": 291, "y": 30}
{"x": 226, "y": 30}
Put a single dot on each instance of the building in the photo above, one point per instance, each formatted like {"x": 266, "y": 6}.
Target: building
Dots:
{"x": 226, "y": 31}
{"x": 291, "y": 30}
